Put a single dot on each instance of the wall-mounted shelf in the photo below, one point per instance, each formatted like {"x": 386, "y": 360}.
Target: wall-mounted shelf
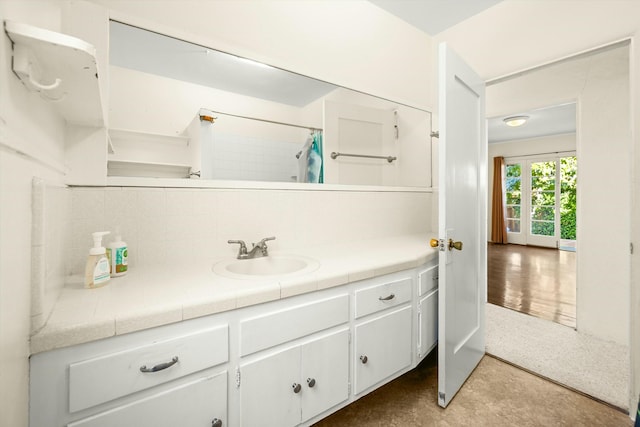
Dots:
{"x": 61, "y": 68}
{"x": 125, "y": 168}
{"x": 135, "y": 136}
{"x": 147, "y": 147}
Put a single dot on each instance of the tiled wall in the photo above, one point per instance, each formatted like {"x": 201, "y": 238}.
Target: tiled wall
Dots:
{"x": 50, "y": 213}
{"x": 176, "y": 225}
{"x": 239, "y": 157}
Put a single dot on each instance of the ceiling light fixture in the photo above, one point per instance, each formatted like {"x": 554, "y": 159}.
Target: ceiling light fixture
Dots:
{"x": 515, "y": 121}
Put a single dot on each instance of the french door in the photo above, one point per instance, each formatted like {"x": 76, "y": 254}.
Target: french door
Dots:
{"x": 533, "y": 189}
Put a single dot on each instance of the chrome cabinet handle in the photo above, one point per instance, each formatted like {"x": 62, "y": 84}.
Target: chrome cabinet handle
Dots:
{"x": 160, "y": 366}
{"x": 364, "y": 359}
{"x": 311, "y": 382}
{"x": 387, "y": 298}
{"x": 216, "y": 423}
{"x": 296, "y": 387}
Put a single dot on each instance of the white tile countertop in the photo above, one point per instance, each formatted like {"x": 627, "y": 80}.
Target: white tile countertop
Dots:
{"x": 156, "y": 295}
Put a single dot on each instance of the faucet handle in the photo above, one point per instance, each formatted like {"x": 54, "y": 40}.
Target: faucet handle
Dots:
{"x": 243, "y": 245}
{"x": 266, "y": 239}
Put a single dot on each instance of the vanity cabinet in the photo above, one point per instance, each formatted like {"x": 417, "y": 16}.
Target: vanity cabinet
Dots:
{"x": 282, "y": 363}
{"x": 293, "y": 385}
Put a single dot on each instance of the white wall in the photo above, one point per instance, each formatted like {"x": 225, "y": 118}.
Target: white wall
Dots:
{"x": 526, "y": 33}
{"x": 171, "y": 225}
{"x": 28, "y": 124}
{"x": 525, "y": 147}
{"x": 348, "y": 43}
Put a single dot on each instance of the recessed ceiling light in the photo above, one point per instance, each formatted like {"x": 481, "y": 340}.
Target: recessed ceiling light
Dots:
{"x": 515, "y": 121}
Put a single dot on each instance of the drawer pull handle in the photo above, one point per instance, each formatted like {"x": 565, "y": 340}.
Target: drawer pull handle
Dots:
{"x": 160, "y": 366}
{"x": 296, "y": 388}
{"x": 311, "y": 382}
{"x": 364, "y": 359}
{"x": 216, "y": 423}
{"x": 387, "y": 298}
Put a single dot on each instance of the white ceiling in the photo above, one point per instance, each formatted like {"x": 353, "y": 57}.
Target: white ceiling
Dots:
{"x": 547, "y": 121}
{"x": 434, "y": 16}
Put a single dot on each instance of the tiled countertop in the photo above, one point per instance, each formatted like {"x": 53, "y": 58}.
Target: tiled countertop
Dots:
{"x": 161, "y": 294}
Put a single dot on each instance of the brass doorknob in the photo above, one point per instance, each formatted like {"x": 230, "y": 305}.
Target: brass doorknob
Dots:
{"x": 455, "y": 245}
{"x": 434, "y": 243}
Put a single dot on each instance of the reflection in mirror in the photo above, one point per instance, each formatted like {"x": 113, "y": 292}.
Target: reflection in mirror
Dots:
{"x": 178, "y": 109}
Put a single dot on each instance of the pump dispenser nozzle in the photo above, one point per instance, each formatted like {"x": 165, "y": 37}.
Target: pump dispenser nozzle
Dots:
{"x": 97, "y": 248}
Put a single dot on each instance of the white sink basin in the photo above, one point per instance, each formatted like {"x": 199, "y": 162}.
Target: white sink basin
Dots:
{"x": 272, "y": 266}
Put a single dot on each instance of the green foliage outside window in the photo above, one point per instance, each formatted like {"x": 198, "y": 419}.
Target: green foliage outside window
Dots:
{"x": 568, "y": 173}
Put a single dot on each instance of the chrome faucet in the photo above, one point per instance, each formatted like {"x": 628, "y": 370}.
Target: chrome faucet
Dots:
{"x": 257, "y": 250}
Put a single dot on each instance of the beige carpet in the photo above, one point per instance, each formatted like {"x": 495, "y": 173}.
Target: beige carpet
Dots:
{"x": 598, "y": 368}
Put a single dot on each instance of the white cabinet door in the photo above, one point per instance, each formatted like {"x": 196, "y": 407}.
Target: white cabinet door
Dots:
{"x": 382, "y": 348}
{"x": 194, "y": 404}
{"x": 268, "y": 388}
{"x": 325, "y": 373}
{"x": 284, "y": 388}
{"x": 462, "y": 217}
{"x": 427, "y": 323}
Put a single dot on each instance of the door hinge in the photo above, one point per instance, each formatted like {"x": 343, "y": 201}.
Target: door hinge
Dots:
{"x": 435, "y": 134}
{"x": 631, "y": 248}
{"x": 237, "y": 377}
{"x": 441, "y": 396}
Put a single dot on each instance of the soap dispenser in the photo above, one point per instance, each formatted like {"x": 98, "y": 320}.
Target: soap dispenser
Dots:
{"x": 96, "y": 273}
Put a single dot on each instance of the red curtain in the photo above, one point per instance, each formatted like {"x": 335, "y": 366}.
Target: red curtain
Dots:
{"x": 498, "y": 224}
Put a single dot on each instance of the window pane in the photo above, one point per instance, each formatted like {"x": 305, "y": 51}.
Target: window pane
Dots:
{"x": 513, "y": 212}
{"x": 546, "y": 213}
{"x": 513, "y": 225}
{"x": 543, "y": 198}
{"x": 512, "y": 184}
{"x": 544, "y": 183}
{"x": 513, "y": 171}
{"x": 542, "y": 228}
{"x": 513, "y": 198}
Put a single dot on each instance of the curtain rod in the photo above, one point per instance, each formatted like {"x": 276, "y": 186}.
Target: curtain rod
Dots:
{"x": 311, "y": 128}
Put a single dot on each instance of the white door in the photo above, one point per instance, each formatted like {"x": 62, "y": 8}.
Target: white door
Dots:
{"x": 462, "y": 218}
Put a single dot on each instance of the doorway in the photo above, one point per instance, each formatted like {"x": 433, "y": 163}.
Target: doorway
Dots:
{"x": 596, "y": 353}
{"x": 540, "y": 199}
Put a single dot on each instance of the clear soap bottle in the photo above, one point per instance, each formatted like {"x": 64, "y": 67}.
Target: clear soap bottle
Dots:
{"x": 96, "y": 272}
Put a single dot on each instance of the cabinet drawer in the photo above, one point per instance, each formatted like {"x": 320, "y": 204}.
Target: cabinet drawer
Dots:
{"x": 275, "y": 328}
{"x": 194, "y": 404}
{"x": 380, "y": 297}
{"x": 101, "y": 379}
{"x": 382, "y": 348}
{"x": 427, "y": 280}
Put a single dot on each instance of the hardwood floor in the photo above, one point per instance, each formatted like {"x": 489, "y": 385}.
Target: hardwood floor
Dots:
{"x": 533, "y": 280}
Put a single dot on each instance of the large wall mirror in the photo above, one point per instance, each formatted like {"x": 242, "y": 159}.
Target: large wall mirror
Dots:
{"x": 183, "y": 110}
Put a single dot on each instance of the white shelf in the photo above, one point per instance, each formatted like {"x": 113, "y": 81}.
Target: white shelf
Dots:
{"x": 127, "y": 135}
{"x": 61, "y": 68}
{"x": 126, "y": 168}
